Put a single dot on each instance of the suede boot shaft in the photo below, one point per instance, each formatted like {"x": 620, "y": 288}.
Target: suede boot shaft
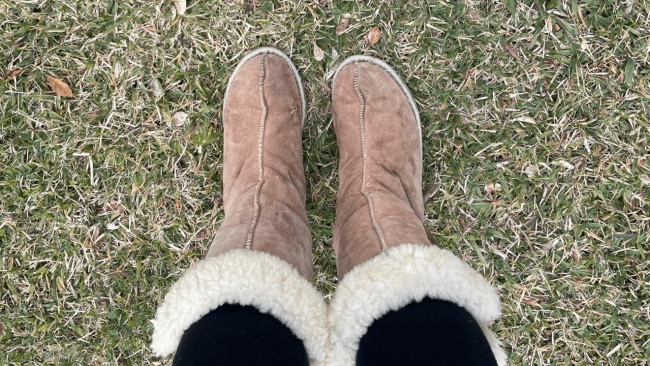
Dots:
{"x": 263, "y": 177}
{"x": 261, "y": 253}
{"x": 380, "y": 201}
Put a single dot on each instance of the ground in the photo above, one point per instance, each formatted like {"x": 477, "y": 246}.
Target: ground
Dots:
{"x": 536, "y": 136}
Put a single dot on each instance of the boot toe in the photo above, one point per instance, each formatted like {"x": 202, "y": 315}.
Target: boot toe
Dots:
{"x": 374, "y": 81}
{"x": 269, "y": 71}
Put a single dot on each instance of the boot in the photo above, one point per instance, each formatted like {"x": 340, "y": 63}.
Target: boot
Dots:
{"x": 261, "y": 254}
{"x": 385, "y": 260}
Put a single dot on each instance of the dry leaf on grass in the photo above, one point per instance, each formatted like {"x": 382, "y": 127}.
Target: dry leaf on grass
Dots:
{"x": 548, "y": 27}
{"x": 511, "y": 51}
{"x": 181, "y": 6}
{"x": 318, "y": 53}
{"x": 373, "y": 36}
{"x": 179, "y": 118}
{"x": 531, "y": 170}
{"x": 158, "y": 90}
{"x": 564, "y": 164}
{"x": 629, "y": 6}
{"x": 59, "y": 87}
{"x": 645, "y": 180}
{"x": 14, "y": 73}
{"x": 492, "y": 188}
{"x": 343, "y": 26}
{"x": 582, "y": 18}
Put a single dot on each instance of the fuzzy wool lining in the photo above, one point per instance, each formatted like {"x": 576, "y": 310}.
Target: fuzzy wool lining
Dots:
{"x": 397, "y": 277}
{"x": 243, "y": 277}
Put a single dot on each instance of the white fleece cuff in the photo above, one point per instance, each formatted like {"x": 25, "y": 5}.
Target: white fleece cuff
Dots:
{"x": 398, "y": 277}
{"x": 243, "y": 277}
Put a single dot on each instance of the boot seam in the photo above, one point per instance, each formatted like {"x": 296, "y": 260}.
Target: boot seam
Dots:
{"x": 260, "y": 155}
{"x": 364, "y": 158}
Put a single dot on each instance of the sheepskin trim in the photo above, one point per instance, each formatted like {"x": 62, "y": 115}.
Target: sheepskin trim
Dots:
{"x": 397, "y": 277}
{"x": 243, "y": 277}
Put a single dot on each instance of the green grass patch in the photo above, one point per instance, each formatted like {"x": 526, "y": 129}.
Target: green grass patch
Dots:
{"x": 536, "y": 154}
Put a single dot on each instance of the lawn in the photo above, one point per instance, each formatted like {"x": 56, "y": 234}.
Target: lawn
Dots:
{"x": 536, "y": 128}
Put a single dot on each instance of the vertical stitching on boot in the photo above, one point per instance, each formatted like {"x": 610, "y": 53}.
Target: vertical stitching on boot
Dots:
{"x": 364, "y": 154}
{"x": 260, "y": 155}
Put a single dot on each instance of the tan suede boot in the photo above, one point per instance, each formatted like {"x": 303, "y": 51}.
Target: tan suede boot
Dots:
{"x": 263, "y": 177}
{"x": 261, "y": 254}
{"x": 380, "y": 201}
{"x": 384, "y": 258}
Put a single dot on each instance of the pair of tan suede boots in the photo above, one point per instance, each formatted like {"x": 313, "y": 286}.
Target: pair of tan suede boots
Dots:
{"x": 261, "y": 254}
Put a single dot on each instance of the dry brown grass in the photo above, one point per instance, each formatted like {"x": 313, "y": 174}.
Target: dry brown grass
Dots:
{"x": 537, "y": 151}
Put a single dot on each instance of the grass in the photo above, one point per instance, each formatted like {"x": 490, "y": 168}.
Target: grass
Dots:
{"x": 537, "y": 160}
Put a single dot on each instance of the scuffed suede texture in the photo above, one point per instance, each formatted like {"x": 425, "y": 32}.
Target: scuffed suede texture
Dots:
{"x": 244, "y": 277}
{"x": 261, "y": 254}
{"x": 263, "y": 173}
{"x": 377, "y": 127}
{"x": 380, "y": 207}
{"x": 400, "y": 276}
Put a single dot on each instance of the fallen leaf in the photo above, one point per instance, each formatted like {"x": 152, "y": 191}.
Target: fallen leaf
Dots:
{"x": 59, "y": 87}
{"x": 373, "y": 36}
{"x": 525, "y": 119}
{"x": 531, "y": 170}
{"x": 117, "y": 70}
{"x": 629, "y": 6}
{"x": 549, "y": 25}
{"x": 582, "y": 18}
{"x": 318, "y": 53}
{"x": 14, "y": 73}
{"x": 564, "y": 164}
{"x": 158, "y": 91}
{"x": 492, "y": 187}
{"x": 181, "y": 6}
{"x": 530, "y": 301}
{"x": 343, "y": 26}
{"x": 511, "y": 51}
{"x": 179, "y": 118}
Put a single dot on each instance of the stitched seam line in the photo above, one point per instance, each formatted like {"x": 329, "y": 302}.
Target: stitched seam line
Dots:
{"x": 364, "y": 154}
{"x": 260, "y": 156}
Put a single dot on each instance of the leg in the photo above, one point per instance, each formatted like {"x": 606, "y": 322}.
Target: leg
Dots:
{"x": 261, "y": 254}
{"x": 430, "y": 332}
{"x": 384, "y": 257}
{"x": 240, "y": 335}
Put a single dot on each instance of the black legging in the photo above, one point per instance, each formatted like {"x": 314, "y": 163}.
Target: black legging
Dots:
{"x": 430, "y": 332}
{"x": 242, "y": 336}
